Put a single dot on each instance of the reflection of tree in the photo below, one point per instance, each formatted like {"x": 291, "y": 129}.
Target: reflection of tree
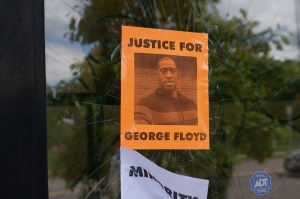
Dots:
{"x": 242, "y": 78}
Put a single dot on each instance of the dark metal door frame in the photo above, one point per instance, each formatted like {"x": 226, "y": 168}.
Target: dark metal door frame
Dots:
{"x": 23, "y": 138}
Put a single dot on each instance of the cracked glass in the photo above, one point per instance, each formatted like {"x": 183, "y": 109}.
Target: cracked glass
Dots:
{"x": 254, "y": 94}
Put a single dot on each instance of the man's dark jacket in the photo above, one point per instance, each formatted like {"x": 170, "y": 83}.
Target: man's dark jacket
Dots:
{"x": 159, "y": 108}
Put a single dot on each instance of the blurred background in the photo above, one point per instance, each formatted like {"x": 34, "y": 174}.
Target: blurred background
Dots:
{"x": 254, "y": 93}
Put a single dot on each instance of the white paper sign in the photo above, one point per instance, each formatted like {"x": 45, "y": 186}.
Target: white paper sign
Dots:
{"x": 141, "y": 178}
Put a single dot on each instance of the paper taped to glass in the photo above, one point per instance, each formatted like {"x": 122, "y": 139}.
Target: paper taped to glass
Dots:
{"x": 164, "y": 89}
{"x": 141, "y": 178}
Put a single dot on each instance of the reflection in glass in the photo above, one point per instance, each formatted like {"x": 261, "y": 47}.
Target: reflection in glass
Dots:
{"x": 254, "y": 92}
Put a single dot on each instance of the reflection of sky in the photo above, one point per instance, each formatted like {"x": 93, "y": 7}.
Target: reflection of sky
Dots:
{"x": 61, "y": 53}
{"x": 269, "y": 13}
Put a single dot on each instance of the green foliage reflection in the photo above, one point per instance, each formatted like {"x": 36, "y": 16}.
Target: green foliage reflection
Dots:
{"x": 244, "y": 79}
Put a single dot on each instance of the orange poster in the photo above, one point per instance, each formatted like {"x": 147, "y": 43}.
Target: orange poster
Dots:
{"x": 164, "y": 89}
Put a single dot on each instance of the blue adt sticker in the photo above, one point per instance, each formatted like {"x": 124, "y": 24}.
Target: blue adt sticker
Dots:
{"x": 260, "y": 183}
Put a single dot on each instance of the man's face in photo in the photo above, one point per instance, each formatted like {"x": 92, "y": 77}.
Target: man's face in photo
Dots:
{"x": 167, "y": 74}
